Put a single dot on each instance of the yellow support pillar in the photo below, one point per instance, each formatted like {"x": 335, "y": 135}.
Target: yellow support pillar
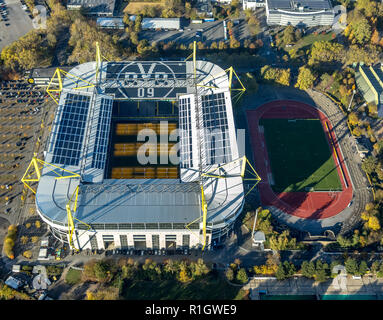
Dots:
{"x": 204, "y": 217}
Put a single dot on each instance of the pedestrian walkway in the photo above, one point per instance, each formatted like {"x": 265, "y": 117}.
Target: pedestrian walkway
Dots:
{"x": 303, "y": 286}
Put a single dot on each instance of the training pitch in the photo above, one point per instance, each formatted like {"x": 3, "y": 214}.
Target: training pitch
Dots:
{"x": 300, "y": 156}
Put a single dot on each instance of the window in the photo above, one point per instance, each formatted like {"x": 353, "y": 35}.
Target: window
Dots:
{"x": 186, "y": 240}
{"x": 155, "y": 241}
{"x": 124, "y": 240}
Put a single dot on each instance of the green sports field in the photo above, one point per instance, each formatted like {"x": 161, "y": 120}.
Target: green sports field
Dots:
{"x": 299, "y": 156}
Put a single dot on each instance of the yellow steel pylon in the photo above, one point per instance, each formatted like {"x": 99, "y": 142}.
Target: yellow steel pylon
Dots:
{"x": 33, "y": 174}
{"x": 211, "y": 174}
{"x": 54, "y": 88}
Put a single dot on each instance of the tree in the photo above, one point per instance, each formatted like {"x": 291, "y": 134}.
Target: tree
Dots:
{"x": 83, "y": 37}
{"x": 353, "y": 119}
{"x": 308, "y": 269}
{"x": 27, "y": 254}
{"x": 369, "y": 164}
{"x": 357, "y": 132}
{"x": 280, "y": 274}
{"x": 101, "y": 270}
{"x": 325, "y": 51}
{"x": 375, "y": 37}
{"x": 369, "y": 7}
{"x": 183, "y": 275}
{"x": 26, "y": 53}
{"x": 361, "y": 30}
{"x": 373, "y": 223}
{"x": 305, "y": 79}
{"x": 34, "y": 239}
{"x": 343, "y": 242}
{"x": 24, "y": 239}
{"x": 242, "y": 276}
{"x": 229, "y": 274}
{"x": 363, "y": 268}
{"x": 351, "y": 266}
{"x": 37, "y": 224}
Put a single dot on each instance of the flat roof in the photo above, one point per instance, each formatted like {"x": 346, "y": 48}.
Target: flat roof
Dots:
{"x": 161, "y": 23}
{"x": 294, "y": 5}
{"x": 94, "y": 6}
{"x": 79, "y": 139}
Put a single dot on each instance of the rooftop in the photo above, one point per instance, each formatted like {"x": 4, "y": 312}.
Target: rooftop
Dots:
{"x": 80, "y": 137}
{"x": 94, "y": 6}
{"x": 299, "y": 5}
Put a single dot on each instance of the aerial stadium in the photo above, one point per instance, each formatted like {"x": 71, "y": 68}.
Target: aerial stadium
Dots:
{"x": 141, "y": 155}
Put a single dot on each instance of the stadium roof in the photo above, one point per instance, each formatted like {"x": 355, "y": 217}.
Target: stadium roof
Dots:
{"x": 80, "y": 136}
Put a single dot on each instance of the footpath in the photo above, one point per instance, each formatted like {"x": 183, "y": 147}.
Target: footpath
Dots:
{"x": 367, "y": 285}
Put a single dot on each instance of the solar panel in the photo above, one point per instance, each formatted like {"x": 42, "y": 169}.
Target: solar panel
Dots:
{"x": 186, "y": 158}
{"x": 102, "y": 134}
{"x": 71, "y": 129}
{"x": 216, "y": 129}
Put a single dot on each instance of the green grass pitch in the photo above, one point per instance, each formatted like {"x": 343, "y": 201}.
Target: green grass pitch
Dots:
{"x": 300, "y": 156}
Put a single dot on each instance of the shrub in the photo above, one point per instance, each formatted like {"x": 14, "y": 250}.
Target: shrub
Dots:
{"x": 24, "y": 239}
{"x": 34, "y": 239}
{"x": 242, "y": 276}
{"x": 229, "y": 274}
{"x": 37, "y": 224}
{"x": 27, "y": 254}
{"x": 9, "y": 241}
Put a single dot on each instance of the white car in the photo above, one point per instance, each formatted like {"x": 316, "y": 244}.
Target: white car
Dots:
{"x": 24, "y": 7}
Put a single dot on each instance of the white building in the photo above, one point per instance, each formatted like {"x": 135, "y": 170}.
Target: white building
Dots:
{"x": 303, "y": 13}
{"x": 104, "y": 8}
{"x": 110, "y": 23}
{"x": 161, "y": 23}
{"x": 252, "y": 4}
{"x": 142, "y": 211}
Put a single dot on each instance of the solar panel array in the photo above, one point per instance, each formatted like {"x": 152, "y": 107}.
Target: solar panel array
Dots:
{"x": 70, "y": 134}
{"x": 186, "y": 159}
{"x": 216, "y": 129}
{"x": 102, "y": 134}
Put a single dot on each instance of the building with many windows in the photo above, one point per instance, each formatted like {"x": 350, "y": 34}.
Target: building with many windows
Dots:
{"x": 151, "y": 157}
{"x": 369, "y": 80}
{"x": 100, "y": 8}
{"x": 301, "y": 13}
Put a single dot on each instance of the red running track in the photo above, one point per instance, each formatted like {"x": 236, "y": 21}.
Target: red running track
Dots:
{"x": 309, "y": 205}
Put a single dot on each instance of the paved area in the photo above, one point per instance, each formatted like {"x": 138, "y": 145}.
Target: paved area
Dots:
{"x": 210, "y": 32}
{"x": 18, "y": 24}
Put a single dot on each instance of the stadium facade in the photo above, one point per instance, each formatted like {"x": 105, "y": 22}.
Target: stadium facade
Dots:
{"x": 113, "y": 203}
{"x": 302, "y": 13}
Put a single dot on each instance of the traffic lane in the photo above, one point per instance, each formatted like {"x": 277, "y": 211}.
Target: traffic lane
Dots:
{"x": 18, "y": 24}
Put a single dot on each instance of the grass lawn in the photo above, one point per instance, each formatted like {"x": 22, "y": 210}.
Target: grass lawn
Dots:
{"x": 309, "y": 40}
{"x": 135, "y": 7}
{"x": 211, "y": 287}
{"x": 300, "y": 156}
{"x": 73, "y": 276}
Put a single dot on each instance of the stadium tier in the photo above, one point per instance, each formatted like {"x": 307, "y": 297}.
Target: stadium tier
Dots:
{"x": 113, "y": 198}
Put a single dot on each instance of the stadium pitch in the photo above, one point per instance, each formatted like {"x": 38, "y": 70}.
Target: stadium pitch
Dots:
{"x": 300, "y": 156}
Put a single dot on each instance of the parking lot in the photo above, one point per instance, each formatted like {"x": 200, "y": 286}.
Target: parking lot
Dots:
{"x": 21, "y": 113}
{"x": 14, "y": 22}
{"x": 206, "y": 32}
